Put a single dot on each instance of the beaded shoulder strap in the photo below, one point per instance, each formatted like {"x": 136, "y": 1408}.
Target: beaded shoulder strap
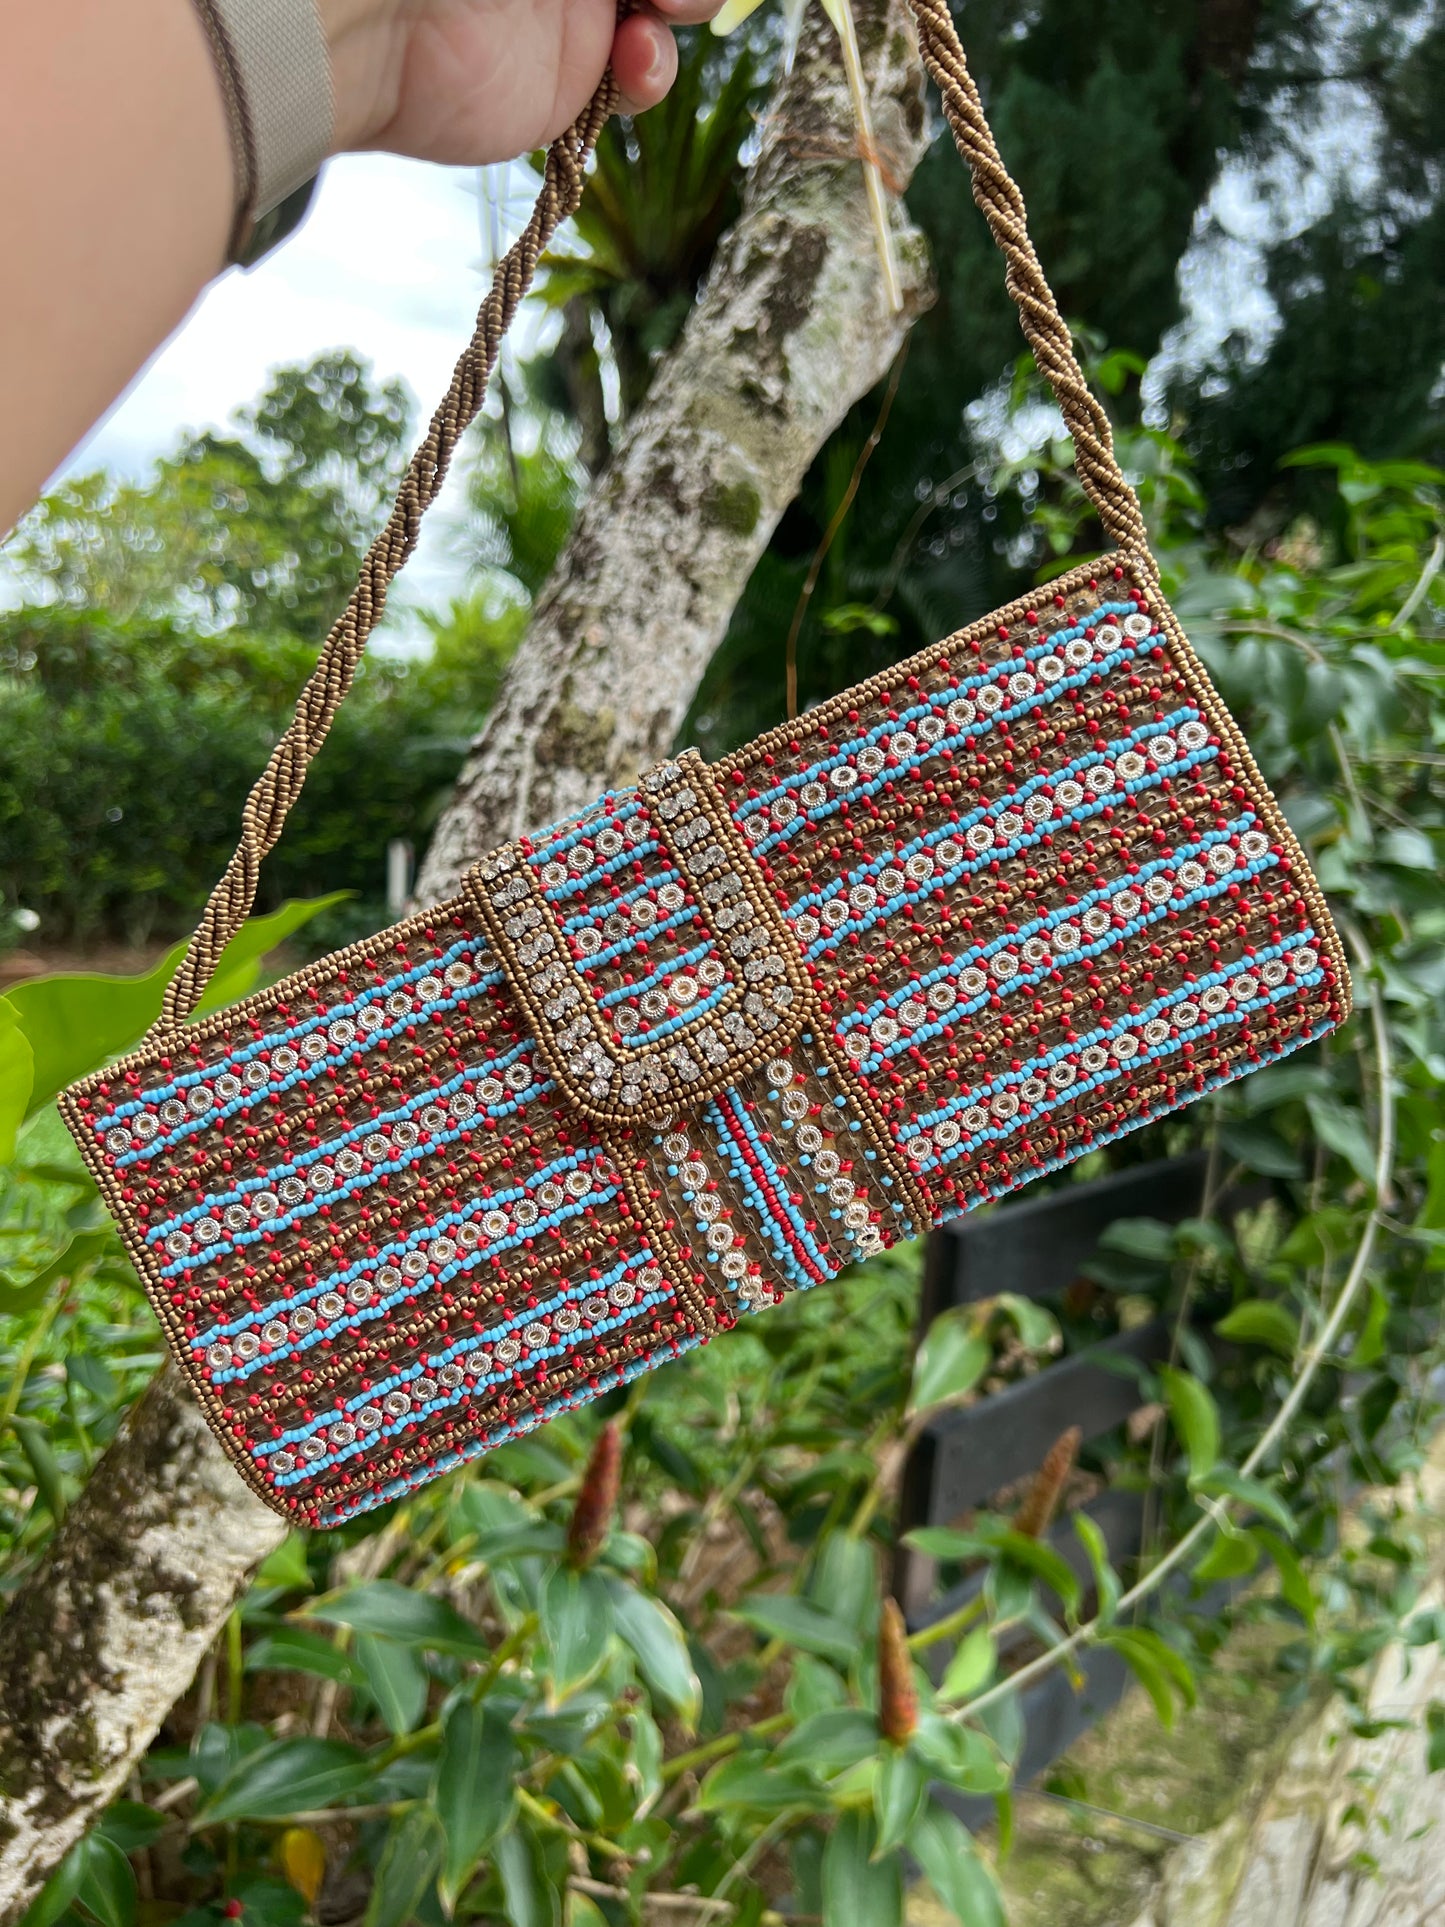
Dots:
{"x": 563, "y": 177}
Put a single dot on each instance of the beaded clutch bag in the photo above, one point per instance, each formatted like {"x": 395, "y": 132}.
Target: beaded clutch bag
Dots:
{"x": 725, "y": 1032}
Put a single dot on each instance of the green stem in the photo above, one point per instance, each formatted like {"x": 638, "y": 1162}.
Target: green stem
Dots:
{"x": 27, "y": 1358}
{"x": 511, "y": 1645}
{"x": 724, "y": 1744}
{"x": 235, "y": 1668}
{"x": 546, "y": 1817}
{"x": 956, "y": 1622}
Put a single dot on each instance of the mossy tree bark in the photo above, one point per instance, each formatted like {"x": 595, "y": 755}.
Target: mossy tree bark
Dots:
{"x": 792, "y": 328}
{"x": 105, "y": 1636}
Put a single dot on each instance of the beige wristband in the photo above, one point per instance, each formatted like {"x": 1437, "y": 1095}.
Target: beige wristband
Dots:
{"x": 275, "y": 74}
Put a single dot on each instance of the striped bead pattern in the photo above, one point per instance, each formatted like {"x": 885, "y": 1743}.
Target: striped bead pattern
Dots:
{"x": 710, "y": 1042}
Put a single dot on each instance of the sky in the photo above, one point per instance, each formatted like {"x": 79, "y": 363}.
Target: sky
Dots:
{"x": 393, "y": 261}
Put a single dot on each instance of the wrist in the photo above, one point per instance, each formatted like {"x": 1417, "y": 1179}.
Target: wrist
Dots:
{"x": 366, "y": 41}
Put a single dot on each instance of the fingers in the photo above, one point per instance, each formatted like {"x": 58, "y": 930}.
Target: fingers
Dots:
{"x": 686, "y": 13}
{"x": 644, "y": 59}
{"x": 644, "y": 53}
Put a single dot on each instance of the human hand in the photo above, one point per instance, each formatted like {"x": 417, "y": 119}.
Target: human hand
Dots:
{"x": 468, "y": 81}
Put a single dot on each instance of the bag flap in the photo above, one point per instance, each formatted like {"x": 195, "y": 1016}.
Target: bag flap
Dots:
{"x": 645, "y": 947}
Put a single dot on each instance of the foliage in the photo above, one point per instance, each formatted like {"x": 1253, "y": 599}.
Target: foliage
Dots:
{"x": 265, "y": 527}
{"x": 139, "y": 702}
{"x": 482, "y": 1702}
{"x": 76, "y": 1344}
{"x": 664, "y": 188}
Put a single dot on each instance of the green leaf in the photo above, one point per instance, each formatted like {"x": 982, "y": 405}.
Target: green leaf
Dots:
{"x": 35, "y": 1444}
{"x": 1318, "y": 1238}
{"x": 93, "y": 1375}
{"x": 1432, "y": 1208}
{"x": 659, "y": 1645}
{"x": 240, "y": 967}
{"x": 475, "y": 1789}
{"x": 410, "y": 1862}
{"x": 898, "y": 1795}
{"x": 287, "y": 1566}
{"x": 575, "y": 1610}
{"x": 1408, "y": 849}
{"x": 286, "y": 1777}
{"x": 859, "y": 1891}
{"x": 1106, "y": 1580}
{"x": 1043, "y": 1563}
{"x": 844, "y": 1580}
{"x": 829, "y": 1742}
{"x": 130, "y": 1824}
{"x": 947, "y": 1542}
{"x": 748, "y": 1780}
{"x": 1261, "y": 1321}
{"x": 644, "y": 1765}
{"x": 1195, "y": 1416}
{"x": 107, "y": 1884}
{"x": 414, "y": 1618}
{"x": 965, "y": 1757}
{"x": 1369, "y": 1345}
{"x": 943, "y": 1847}
{"x": 1231, "y": 1556}
{"x": 1261, "y": 1148}
{"x": 1294, "y": 1585}
{"x": 1037, "y": 1327}
{"x": 971, "y": 1665}
{"x": 529, "y": 1899}
{"x": 951, "y": 1360}
{"x": 1434, "y": 1740}
{"x": 85, "y": 1248}
{"x": 17, "y": 1077}
{"x": 814, "y": 1687}
{"x": 1145, "y": 1238}
{"x": 59, "y": 1890}
{"x": 291, "y": 1650}
{"x": 1343, "y": 1131}
{"x": 76, "y": 1020}
{"x": 1254, "y": 1493}
{"x": 779, "y": 1615}
{"x": 395, "y": 1678}
{"x": 1156, "y": 1666}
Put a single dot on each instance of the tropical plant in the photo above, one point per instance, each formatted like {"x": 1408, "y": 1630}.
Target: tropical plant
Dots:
{"x": 169, "y": 626}
{"x": 266, "y": 526}
{"x": 664, "y": 188}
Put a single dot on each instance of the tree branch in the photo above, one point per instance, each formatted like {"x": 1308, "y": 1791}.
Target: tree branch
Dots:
{"x": 104, "y": 1637}
{"x": 794, "y": 326}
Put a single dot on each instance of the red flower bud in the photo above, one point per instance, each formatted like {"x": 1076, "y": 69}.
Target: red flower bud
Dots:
{"x": 897, "y": 1695}
{"x": 596, "y": 1499}
{"x": 1033, "y": 1516}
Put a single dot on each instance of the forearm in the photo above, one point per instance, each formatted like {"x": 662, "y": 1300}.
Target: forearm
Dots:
{"x": 116, "y": 193}
{"x": 118, "y": 185}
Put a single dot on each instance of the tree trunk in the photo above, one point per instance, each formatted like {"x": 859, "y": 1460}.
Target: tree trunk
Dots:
{"x": 102, "y": 1640}
{"x": 792, "y": 328}
{"x": 105, "y": 1636}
